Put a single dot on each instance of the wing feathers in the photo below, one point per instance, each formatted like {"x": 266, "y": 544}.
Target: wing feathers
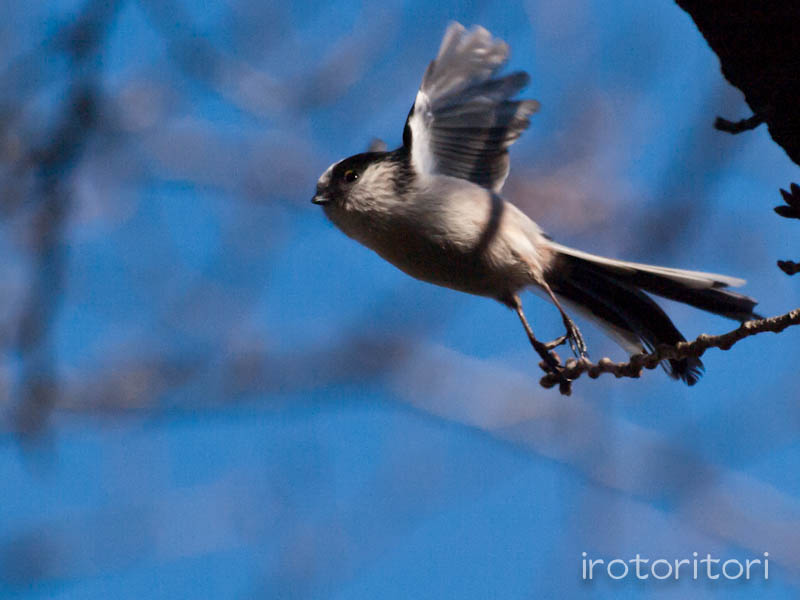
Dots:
{"x": 463, "y": 120}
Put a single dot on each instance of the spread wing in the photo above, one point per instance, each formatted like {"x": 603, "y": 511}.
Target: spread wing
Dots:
{"x": 463, "y": 119}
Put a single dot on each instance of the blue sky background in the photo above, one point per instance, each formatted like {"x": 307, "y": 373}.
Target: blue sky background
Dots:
{"x": 247, "y": 404}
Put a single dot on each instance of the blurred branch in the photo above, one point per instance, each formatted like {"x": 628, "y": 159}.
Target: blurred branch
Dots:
{"x": 52, "y": 164}
{"x": 235, "y": 80}
{"x": 250, "y": 87}
{"x": 696, "y": 348}
{"x": 684, "y": 193}
{"x": 642, "y": 464}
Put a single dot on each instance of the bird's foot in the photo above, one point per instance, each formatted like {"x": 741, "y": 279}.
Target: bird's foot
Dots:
{"x": 551, "y": 360}
{"x": 576, "y": 342}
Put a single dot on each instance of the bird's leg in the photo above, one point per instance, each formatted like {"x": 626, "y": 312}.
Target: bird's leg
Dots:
{"x": 576, "y": 341}
{"x": 544, "y": 350}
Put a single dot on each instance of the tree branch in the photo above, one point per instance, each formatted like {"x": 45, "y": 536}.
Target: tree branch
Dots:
{"x": 757, "y": 45}
{"x": 633, "y": 368}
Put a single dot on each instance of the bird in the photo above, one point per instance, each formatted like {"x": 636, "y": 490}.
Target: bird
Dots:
{"x": 433, "y": 208}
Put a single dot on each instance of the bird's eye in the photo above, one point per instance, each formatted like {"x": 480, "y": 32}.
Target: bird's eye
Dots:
{"x": 350, "y": 176}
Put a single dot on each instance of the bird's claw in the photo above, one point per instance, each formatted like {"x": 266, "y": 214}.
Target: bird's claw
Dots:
{"x": 576, "y": 342}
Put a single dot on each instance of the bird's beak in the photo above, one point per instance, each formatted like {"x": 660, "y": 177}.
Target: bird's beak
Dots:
{"x": 320, "y": 199}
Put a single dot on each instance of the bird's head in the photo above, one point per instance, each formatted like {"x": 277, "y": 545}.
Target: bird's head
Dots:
{"x": 356, "y": 181}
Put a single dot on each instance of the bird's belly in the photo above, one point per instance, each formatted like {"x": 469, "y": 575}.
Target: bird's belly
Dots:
{"x": 464, "y": 267}
{"x": 442, "y": 266}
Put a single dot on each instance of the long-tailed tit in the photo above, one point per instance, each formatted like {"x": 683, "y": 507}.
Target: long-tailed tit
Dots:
{"x": 432, "y": 208}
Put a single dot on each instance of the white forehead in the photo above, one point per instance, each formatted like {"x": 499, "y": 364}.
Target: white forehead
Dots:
{"x": 325, "y": 178}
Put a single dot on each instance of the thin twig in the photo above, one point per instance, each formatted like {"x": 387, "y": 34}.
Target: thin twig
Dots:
{"x": 735, "y": 127}
{"x": 575, "y": 368}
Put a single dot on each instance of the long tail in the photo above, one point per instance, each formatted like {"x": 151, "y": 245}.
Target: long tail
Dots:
{"x": 612, "y": 292}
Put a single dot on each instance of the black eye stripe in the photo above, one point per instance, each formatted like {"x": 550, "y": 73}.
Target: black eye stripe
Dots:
{"x": 350, "y": 176}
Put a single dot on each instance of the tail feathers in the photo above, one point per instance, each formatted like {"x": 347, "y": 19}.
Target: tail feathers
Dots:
{"x": 712, "y": 299}
{"x": 627, "y": 312}
{"x": 701, "y": 290}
